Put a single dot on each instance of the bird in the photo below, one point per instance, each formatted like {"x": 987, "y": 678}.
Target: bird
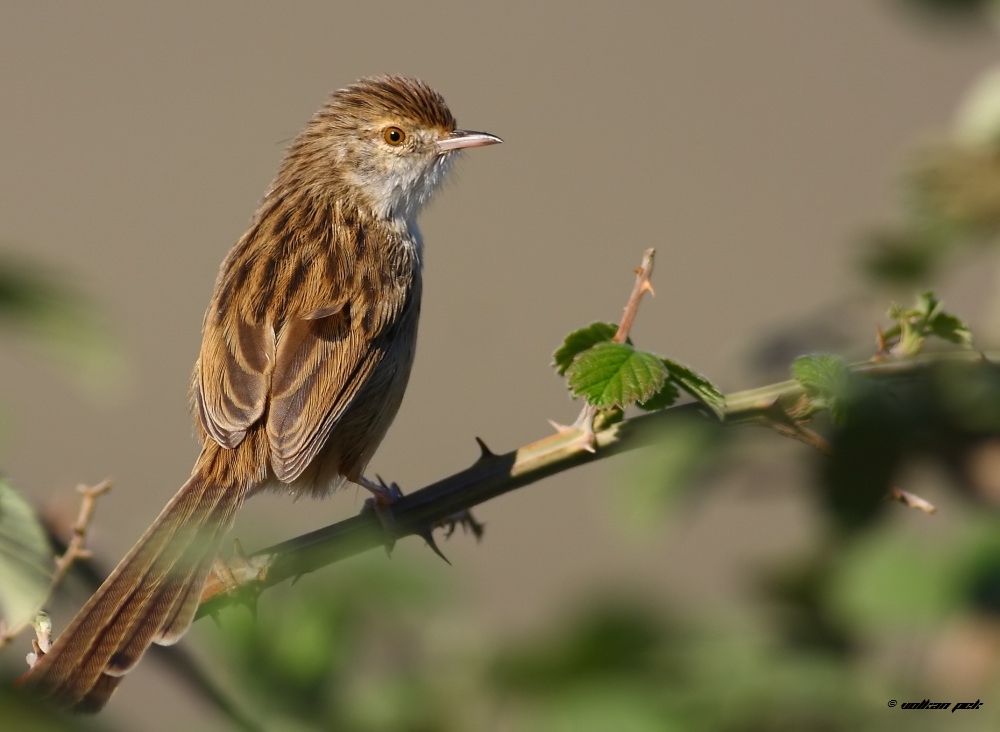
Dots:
{"x": 307, "y": 347}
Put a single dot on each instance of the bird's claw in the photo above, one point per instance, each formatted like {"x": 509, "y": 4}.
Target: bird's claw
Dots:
{"x": 42, "y": 641}
{"x": 466, "y": 520}
{"x": 227, "y": 572}
{"x": 383, "y": 497}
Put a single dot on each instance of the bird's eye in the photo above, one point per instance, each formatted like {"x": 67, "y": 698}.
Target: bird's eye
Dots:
{"x": 394, "y": 136}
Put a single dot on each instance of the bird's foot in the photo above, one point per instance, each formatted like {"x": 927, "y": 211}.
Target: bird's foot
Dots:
{"x": 237, "y": 577}
{"x": 383, "y": 497}
{"x": 466, "y": 520}
{"x": 42, "y": 641}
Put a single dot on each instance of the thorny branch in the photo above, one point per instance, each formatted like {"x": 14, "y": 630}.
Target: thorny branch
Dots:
{"x": 263, "y": 569}
{"x": 781, "y": 422}
{"x": 784, "y": 424}
{"x": 492, "y": 475}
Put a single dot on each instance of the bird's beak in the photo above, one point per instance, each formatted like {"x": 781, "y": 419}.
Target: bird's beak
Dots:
{"x": 462, "y": 139}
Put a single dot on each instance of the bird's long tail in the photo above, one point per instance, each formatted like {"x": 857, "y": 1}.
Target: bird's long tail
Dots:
{"x": 150, "y": 597}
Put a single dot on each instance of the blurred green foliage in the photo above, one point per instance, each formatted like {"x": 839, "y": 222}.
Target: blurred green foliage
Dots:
{"x": 50, "y": 314}
{"x": 25, "y": 558}
{"x": 972, "y": 11}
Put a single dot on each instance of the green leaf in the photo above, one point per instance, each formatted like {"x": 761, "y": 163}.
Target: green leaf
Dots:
{"x": 826, "y": 380}
{"x": 25, "y": 558}
{"x": 579, "y": 341}
{"x": 950, "y": 328}
{"x": 927, "y": 318}
{"x": 662, "y": 399}
{"x": 607, "y": 417}
{"x": 612, "y": 375}
{"x": 927, "y": 305}
{"x": 697, "y": 386}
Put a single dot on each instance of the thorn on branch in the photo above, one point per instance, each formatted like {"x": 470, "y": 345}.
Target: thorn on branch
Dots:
{"x": 584, "y": 425}
{"x": 881, "y": 345}
{"x": 463, "y": 519}
{"x": 428, "y": 536}
{"x": 485, "y": 453}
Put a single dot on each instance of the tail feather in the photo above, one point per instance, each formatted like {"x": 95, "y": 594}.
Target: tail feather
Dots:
{"x": 151, "y": 596}
{"x": 98, "y": 696}
{"x": 185, "y": 603}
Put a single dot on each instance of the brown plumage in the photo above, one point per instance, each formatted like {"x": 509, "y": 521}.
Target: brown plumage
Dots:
{"x": 307, "y": 347}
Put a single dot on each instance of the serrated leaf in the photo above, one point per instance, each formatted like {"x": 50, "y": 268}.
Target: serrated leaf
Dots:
{"x": 926, "y": 318}
{"x": 610, "y": 375}
{"x": 826, "y": 379}
{"x": 927, "y": 305}
{"x": 950, "y": 328}
{"x": 579, "y": 341}
{"x": 25, "y": 558}
{"x": 896, "y": 312}
{"x": 662, "y": 399}
{"x": 697, "y": 386}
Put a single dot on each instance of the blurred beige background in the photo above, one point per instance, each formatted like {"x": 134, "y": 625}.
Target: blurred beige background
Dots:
{"x": 751, "y": 143}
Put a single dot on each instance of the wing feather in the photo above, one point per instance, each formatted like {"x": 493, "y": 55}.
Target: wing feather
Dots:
{"x": 302, "y": 316}
{"x": 232, "y": 377}
{"x": 320, "y": 366}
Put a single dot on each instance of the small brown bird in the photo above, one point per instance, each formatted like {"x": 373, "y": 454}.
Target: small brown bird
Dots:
{"x": 306, "y": 351}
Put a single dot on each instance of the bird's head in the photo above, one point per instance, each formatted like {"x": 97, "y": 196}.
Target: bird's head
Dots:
{"x": 385, "y": 141}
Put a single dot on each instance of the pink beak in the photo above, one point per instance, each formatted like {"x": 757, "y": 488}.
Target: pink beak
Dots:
{"x": 462, "y": 139}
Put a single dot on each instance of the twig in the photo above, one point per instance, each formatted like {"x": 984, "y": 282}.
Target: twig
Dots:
{"x": 76, "y": 548}
{"x": 583, "y": 425}
{"x": 642, "y": 285}
{"x": 784, "y": 424}
{"x": 911, "y": 500}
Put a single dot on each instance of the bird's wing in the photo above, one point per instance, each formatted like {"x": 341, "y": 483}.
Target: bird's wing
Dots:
{"x": 321, "y": 364}
{"x": 332, "y": 311}
{"x": 231, "y": 377}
